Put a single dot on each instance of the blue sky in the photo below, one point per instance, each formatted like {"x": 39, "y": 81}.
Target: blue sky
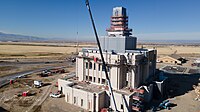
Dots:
{"x": 150, "y": 19}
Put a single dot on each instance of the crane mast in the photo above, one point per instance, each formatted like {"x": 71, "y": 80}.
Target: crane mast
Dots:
{"x": 101, "y": 54}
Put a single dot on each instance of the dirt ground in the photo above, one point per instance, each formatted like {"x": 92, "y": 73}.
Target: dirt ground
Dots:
{"x": 59, "y": 104}
{"x": 180, "y": 90}
{"x": 16, "y": 57}
{"x": 10, "y": 102}
{"x": 185, "y": 103}
{"x": 19, "y": 57}
{"x": 182, "y": 93}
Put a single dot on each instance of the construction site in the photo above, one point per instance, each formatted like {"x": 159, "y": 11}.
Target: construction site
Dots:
{"x": 115, "y": 74}
{"x": 127, "y": 78}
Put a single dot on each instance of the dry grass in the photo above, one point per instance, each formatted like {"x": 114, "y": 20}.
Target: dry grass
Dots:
{"x": 6, "y": 68}
{"x": 38, "y": 50}
{"x": 35, "y": 50}
{"x": 190, "y": 51}
{"x": 22, "y": 51}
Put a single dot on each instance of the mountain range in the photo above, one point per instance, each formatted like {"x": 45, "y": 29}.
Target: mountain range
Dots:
{"x": 19, "y": 38}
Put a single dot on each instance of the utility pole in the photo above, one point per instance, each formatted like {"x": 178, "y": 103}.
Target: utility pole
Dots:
{"x": 77, "y": 42}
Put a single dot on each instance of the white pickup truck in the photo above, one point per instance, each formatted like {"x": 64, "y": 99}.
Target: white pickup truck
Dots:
{"x": 38, "y": 83}
{"x": 55, "y": 95}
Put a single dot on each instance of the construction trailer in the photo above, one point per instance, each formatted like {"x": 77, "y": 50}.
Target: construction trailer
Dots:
{"x": 172, "y": 59}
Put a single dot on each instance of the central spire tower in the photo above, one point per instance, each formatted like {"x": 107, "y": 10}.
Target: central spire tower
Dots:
{"x": 119, "y": 39}
{"x": 119, "y": 23}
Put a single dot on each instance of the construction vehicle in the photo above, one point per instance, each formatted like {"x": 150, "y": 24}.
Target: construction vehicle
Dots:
{"x": 37, "y": 84}
{"x": 25, "y": 93}
{"x": 55, "y": 95}
{"x": 46, "y": 73}
{"x": 166, "y": 104}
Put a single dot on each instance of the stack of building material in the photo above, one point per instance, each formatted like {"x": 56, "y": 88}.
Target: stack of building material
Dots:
{"x": 197, "y": 91}
{"x": 138, "y": 99}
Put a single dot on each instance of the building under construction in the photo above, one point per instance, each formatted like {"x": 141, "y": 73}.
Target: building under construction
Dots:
{"x": 129, "y": 69}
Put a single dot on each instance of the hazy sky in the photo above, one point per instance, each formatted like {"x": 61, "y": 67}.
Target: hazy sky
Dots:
{"x": 150, "y": 19}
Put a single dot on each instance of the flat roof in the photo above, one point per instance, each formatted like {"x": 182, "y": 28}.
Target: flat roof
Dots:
{"x": 86, "y": 86}
{"x": 137, "y": 50}
{"x": 124, "y": 91}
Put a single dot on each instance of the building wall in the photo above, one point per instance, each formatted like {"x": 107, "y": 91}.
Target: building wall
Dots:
{"x": 87, "y": 100}
{"x": 135, "y": 81}
{"x": 114, "y": 76}
{"x": 118, "y": 44}
{"x": 122, "y": 77}
{"x": 102, "y": 100}
{"x": 123, "y": 102}
{"x": 94, "y": 74}
{"x": 80, "y": 68}
{"x": 143, "y": 66}
{"x": 152, "y": 62}
{"x": 131, "y": 43}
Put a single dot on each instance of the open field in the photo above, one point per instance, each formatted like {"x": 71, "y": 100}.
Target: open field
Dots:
{"x": 37, "y": 50}
{"x": 20, "y": 56}
{"x": 186, "y": 51}
{"x": 21, "y": 51}
{"x": 17, "y": 52}
{"x": 17, "y": 57}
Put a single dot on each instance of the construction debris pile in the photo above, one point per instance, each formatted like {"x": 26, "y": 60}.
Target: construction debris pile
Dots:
{"x": 197, "y": 91}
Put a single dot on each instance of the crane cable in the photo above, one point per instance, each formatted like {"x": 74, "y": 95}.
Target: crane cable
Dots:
{"x": 101, "y": 54}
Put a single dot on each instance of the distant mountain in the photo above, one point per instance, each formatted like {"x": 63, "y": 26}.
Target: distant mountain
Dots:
{"x": 19, "y": 38}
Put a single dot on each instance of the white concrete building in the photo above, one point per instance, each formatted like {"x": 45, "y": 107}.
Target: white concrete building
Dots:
{"x": 128, "y": 68}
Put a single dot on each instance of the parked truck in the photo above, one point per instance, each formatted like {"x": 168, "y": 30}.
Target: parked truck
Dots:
{"x": 38, "y": 84}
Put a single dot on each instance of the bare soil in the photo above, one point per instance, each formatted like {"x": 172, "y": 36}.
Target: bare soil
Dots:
{"x": 14, "y": 53}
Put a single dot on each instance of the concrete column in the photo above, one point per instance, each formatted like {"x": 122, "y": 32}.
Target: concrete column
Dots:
{"x": 92, "y": 72}
{"x": 88, "y": 70}
{"x": 134, "y": 80}
{"x": 80, "y": 68}
{"x": 77, "y": 67}
{"x": 84, "y": 69}
{"x": 118, "y": 81}
{"x": 130, "y": 77}
{"x": 97, "y": 72}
